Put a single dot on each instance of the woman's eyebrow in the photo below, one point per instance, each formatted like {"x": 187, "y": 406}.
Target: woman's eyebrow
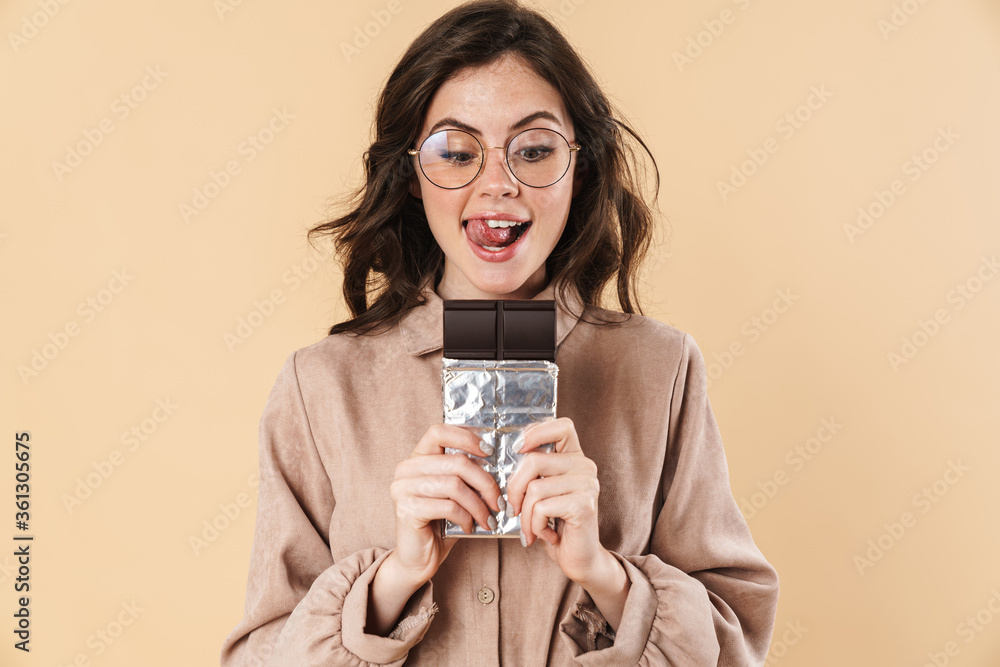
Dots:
{"x": 530, "y": 118}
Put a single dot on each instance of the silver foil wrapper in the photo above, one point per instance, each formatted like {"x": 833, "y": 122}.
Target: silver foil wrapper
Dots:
{"x": 496, "y": 400}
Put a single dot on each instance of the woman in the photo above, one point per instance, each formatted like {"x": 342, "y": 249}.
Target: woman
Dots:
{"x": 498, "y": 171}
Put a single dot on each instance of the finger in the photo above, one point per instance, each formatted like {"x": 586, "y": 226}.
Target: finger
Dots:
{"x": 560, "y": 432}
{"x": 539, "y": 490}
{"x": 549, "y": 535}
{"x": 461, "y": 465}
{"x": 448, "y": 487}
{"x": 553, "y": 507}
{"x": 457, "y": 465}
{"x": 439, "y": 436}
{"x": 543, "y": 464}
{"x": 422, "y": 511}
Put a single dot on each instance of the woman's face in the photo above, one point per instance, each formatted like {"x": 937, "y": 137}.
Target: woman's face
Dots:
{"x": 492, "y": 103}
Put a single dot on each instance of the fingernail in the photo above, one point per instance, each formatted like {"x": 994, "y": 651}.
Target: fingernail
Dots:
{"x": 509, "y": 511}
{"x": 501, "y": 503}
{"x": 492, "y": 522}
{"x": 524, "y": 540}
{"x": 486, "y": 449}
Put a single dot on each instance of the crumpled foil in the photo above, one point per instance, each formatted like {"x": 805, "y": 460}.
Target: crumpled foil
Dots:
{"x": 496, "y": 400}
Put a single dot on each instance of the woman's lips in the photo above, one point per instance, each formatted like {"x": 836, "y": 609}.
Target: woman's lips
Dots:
{"x": 501, "y": 255}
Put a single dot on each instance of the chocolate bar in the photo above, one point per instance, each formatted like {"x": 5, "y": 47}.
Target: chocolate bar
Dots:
{"x": 498, "y": 375}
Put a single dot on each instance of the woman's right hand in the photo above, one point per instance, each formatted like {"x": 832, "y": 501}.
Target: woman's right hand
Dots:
{"x": 429, "y": 485}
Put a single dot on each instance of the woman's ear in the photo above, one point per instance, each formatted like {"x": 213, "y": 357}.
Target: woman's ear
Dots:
{"x": 415, "y": 186}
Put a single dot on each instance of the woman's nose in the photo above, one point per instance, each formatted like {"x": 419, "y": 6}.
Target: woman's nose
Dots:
{"x": 495, "y": 177}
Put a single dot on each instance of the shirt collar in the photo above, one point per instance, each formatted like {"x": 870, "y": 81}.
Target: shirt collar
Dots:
{"x": 422, "y": 327}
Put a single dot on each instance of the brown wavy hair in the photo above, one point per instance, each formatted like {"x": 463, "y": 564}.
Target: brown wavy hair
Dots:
{"x": 384, "y": 242}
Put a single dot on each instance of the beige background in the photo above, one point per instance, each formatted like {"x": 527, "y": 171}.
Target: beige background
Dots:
{"x": 184, "y": 285}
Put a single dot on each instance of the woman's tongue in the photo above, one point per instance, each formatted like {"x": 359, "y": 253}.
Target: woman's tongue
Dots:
{"x": 495, "y": 237}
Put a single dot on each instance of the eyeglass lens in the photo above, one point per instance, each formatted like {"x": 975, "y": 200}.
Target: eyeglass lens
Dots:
{"x": 453, "y": 158}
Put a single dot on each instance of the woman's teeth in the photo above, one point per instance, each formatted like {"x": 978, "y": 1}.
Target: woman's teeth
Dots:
{"x": 502, "y": 223}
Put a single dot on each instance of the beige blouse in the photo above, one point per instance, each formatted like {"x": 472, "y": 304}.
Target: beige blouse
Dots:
{"x": 347, "y": 409}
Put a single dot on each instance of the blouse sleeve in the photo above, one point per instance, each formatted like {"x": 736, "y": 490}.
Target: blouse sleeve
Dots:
{"x": 704, "y": 595}
{"x": 302, "y": 608}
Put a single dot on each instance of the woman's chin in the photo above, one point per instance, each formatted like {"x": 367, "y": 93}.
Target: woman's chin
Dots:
{"x": 503, "y": 283}
{"x": 482, "y": 280}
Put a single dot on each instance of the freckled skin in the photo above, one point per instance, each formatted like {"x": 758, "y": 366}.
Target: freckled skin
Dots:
{"x": 491, "y": 99}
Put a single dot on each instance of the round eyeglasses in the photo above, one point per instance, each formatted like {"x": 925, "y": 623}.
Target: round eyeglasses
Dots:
{"x": 537, "y": 157}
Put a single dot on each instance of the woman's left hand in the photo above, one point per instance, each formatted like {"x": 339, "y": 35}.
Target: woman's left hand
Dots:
{"x": 562, "y": 484}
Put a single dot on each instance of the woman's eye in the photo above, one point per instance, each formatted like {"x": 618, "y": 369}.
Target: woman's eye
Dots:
{"x": 535, "y": 154}
{"x": 457, "y": 158}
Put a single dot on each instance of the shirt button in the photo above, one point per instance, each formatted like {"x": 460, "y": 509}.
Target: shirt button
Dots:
{"x": 486, "y": 595}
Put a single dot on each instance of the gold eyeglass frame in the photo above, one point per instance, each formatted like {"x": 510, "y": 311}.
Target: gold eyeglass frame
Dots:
{"x": 506, "y": 157}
